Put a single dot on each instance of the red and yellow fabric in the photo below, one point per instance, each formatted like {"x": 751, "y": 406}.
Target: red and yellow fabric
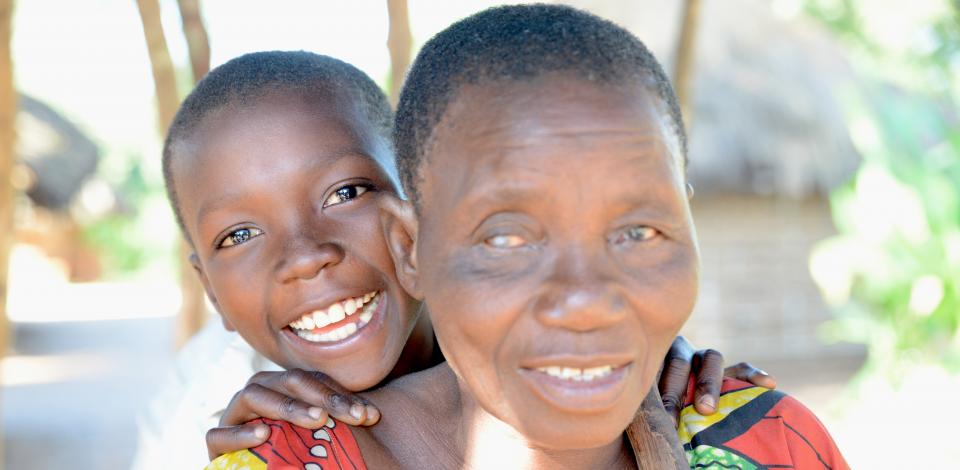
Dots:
{"x": 293, "y": 448}
{"x": 756, "y": 429}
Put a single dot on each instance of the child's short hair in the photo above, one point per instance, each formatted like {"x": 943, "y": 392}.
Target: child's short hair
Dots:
{"x": 244, "y": 79}
{"x": 520, "y": 42}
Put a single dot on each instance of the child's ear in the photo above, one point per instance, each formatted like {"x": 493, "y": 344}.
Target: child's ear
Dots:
{"x": 400, "y": 226}
{"x": 195, "y": 262}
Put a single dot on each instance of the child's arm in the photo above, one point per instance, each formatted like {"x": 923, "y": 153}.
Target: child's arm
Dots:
{"x": 305, "y": 398}
{"x": 706, "y": 365}
{"x": 295, "y": 396}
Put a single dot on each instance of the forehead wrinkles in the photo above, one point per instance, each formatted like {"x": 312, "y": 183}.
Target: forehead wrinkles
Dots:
{"x": 491, "y": 125}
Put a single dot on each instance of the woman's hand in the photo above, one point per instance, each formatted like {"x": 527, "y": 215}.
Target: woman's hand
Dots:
{"x": 299, "y": 397}
{"x": 706, "y": 365}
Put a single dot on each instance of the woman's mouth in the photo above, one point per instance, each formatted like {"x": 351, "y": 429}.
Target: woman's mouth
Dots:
{"x": 576, "y": 388}
{"x": 339, "y": 321}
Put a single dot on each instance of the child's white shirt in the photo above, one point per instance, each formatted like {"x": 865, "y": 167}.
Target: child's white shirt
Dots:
{"x": 213, "y": 366}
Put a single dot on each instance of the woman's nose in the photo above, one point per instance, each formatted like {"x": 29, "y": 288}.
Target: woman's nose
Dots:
{"x": 305, "y": 259}
{"x": 580, "y": 299}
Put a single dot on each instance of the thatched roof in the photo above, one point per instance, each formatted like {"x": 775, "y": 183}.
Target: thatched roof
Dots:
{"x": 59, "y": 155}
{"x": 767, "y": 117}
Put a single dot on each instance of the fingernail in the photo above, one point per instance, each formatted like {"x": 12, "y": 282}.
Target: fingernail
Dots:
{"x": 261, "y": 432}
{"x": 314, "y": 412}
{"x": 707, "y": 401}
{"x": 356, "y": 410}
{"x": 762, "y": 372}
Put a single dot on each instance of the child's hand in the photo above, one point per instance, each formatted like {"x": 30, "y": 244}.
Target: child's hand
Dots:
{"x": 296, "y": 396}
{"x": 707, "y": 367}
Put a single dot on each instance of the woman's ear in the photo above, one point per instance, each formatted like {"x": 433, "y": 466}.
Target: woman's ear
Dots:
{"x": 399, "y": 221}
{"x": 195, "y": 262}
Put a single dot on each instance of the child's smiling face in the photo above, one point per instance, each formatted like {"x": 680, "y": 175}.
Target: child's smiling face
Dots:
{"x": 279, "y": 200}
{"x": 556, "y": 252}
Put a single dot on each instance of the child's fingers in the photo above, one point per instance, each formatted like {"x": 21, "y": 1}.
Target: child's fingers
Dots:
{"x": 321, "y": 391}
{"x": 257, "y": 401}
{"x": 675, "y": 377}
{"x": 748, "y": 373}
{"x": 708, "y": 365}
{"x": 224, "y": 440}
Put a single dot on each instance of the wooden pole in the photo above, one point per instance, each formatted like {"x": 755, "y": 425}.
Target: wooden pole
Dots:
{"x": 192, "y": 309}
{"x": 193, "y": 313}
{"x": 400, "y": 44}
{"x": 8, "y": 135}
{"x": 683, "y": 72}
{"x": 198, "y": 43}
{"x": 8, "y": 117}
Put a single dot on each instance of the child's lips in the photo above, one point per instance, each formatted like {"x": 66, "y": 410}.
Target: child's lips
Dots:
{"x": 338, "y": 322}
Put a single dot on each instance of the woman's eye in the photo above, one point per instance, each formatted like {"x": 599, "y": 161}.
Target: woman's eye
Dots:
{"x": 505, "y": 241}
{"x": 346, "y": 193}
{"x": 239, "y": 236}
{"x": 636, "y": 233}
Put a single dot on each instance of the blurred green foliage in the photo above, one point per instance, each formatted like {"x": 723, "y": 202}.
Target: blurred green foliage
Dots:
{"x": 893, "y": 272}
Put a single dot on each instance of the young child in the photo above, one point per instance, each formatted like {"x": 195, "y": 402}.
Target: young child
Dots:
{"x": 273, "y": 166}
{"x": 550, "y": 237}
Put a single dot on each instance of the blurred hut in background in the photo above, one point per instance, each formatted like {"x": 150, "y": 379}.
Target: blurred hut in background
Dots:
{"x": 55, "y": 160}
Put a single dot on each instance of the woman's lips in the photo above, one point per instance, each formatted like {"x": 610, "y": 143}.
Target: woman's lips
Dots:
{"x": 578, "y": 389}
{"x": 338, "y": 322}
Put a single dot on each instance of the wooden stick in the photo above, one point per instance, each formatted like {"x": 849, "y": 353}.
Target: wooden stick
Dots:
{"x": 654, "y": 440}
{"x": 192, "y": 308}
{"x": 400, "y": 44}
{"x": 198, "y": 43}
{"x": 683, "y": 72}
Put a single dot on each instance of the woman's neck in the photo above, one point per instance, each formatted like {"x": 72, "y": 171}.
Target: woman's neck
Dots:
{"x": 485, "y": 441}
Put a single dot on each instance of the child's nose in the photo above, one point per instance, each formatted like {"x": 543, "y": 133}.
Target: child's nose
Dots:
{"x": 306, "y": 259}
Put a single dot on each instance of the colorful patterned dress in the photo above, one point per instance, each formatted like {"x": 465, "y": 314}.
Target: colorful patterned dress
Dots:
{"x": 756, "y": 428}
{"x": 294, "y": 448}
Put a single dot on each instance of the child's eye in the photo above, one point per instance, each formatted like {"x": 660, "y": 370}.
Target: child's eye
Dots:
{"x": 239, "y": 236}
{"x": 505, "y": 241}
{"x": 635, "y": 233}
{"x": 346, "y": 193}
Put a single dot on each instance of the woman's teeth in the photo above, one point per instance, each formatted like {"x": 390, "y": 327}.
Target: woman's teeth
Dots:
{"x": 362, "y": 306}
{"x": 577, "y": 374}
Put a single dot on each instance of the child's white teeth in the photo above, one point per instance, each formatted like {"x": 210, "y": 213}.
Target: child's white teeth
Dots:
{"x": 335, "y": 313}
{"x": 577, "y": 374}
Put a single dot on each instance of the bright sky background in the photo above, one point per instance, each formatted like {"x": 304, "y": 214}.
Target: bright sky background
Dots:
{"x": 89, "y": 60}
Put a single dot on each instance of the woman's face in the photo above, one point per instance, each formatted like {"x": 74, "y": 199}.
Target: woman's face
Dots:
{"x": 556, "y": 252}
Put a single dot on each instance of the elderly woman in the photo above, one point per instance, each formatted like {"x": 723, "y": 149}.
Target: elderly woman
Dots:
{"x": 549, "y": 234}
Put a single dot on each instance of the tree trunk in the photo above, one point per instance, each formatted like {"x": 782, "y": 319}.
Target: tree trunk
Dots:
{"x": 683, "y": 73}
{"x": 192, "y": 308}
{"x": 8, "y": 116}
{"x": 198, "y": 42}
{"x": 193, "y": 314}
{"x": 400, "y": 44}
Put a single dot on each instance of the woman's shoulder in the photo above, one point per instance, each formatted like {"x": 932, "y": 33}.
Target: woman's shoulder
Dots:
{"x": 289, "y": 447}
{"x": 755, "y": 427}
